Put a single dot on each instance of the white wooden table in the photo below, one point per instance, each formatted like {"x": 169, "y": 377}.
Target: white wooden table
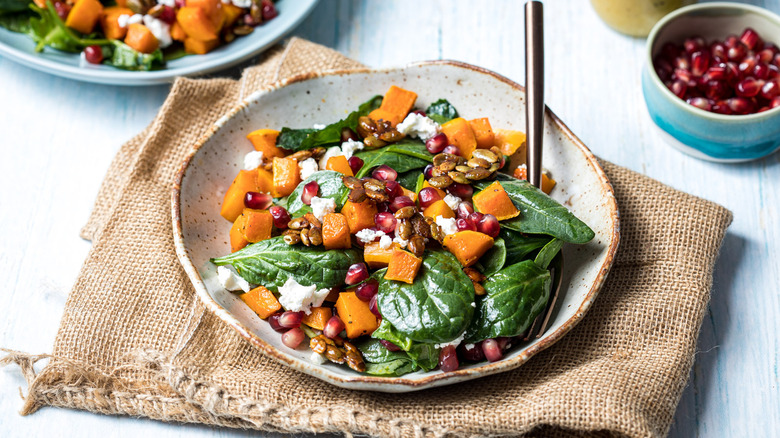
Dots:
{"x": 59, "y": 137}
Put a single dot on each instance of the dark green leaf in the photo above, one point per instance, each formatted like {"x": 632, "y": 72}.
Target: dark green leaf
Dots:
{"x": 387, "y": 332}
{"x": 540, "y": 214}
{"x": 436, "y": 308}
{"x": 14, "y": 6}
{"x": 271, "y": 262}
{"x": 292, "y": 138}
{"x": 441, "y": 111}
{"x": 331, "y": 186}
{"x": 548, "y": 253}
{"x": 420, "y": 183}
{"x": 408, "y": 180}
{"x": 382, "y": 362}
{"x": 494, "y": 259}
{"x": 519, "y": 245}
{"x": 18, "y": 21}
{"x": 404, "y": 156}
{"x": 127, "y": 58}
{"x": 514, "y": 297}
{"x": 424, "y": 355}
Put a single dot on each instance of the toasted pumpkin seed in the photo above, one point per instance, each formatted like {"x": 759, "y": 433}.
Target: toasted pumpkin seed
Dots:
{"x": 300, "y": 155}
{"x": 405, "y": 212}
{"x": 477, "y": 174}
{"x": 478, "y": 162}
{"x": 404, "y": 229}
{"x": 485, "y": 155}
{"x": 357, "y": 195}
{"x": 447, "y": 166}
{"x": 291, "y": 237}
{"x": 373, "y": 142}
{"x": 459, "y": 177}
{"x": 243, "y": 30}
{"x": 305, "y": 237}
{"x": 417, "y": 245}
{"x": 421, "y": 227}
{"x": 352, "y": 182}
{"x": 298, "y": 223}
{"x": 462, "y": 168}
{"x": 440, "y": 182}
{"x": 315, "y": 236}
{"x": 377, "y": 195}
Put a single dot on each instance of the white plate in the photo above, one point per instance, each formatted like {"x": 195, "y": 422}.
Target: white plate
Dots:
{"x": 21, "y": 48}
{"x": 201, "y": 233}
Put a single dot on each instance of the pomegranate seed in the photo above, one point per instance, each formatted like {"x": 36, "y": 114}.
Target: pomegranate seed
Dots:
{"x": 393, "y": 189}
{"x": 731, "y": 41}
{"x": 771, "y": 89}
{"x": 420, "y": 113}
{"x": 257, "y": 200}
{"x": 293, "y": 337}
{"x": 721, "y": 107}
{"x": 281, "y": 217}
{"x": 717, "y": 90}
{"x": 465, "y": 209}
{"x": 291, "y": 319}
{"x": 471, "y": 352}
{"x": 774, "y": 71}
{"x": 63, "y": 9}
{"x": 682, "y": 75}
{"x": 372, "y": 306}
{"x": 504, "y": 343}
{"x": 452, "y": 150}
{"x": 367, "y": 290}
{"x": 718, "y": 52}
{"x": 389, "y": 345}
{"x": 427, "y": 172}
{"x": 474, "y": 218}
{"x": 700, "y": 102}
{"x": 310, "y": 190}
{"x": 464, "y": 225}
{"x": 348, "y": 134}
{"x": 751, "y": 39}
{"x": 385, "y": 222}
{"x": 739, "y": 105}
{"x": 491, "y": 350}
{"x": 761, "y": 70}
{"x": 356, "y": 273}
{"x": 384, "y": 173}
{"x": 400, "y": 202}
{"x": 765, "y": 56}
{"x": 733, "y": 72}
{"x": 737, "y": 53}
{"x": 461, "y": 190}
{"x": 747, "y": 65}
{"x": 437, "y": 143}
{"x": 749, "y": 87}
{"x": 248, "y": 20}
{"x": 700, "y": 62}
{"x": 663, "y": 68}
{"x": 355, "y": 163}
{"x": 693, "y": 44}
{"x": 670, "y": 51}
{"x": 763, "y": 108}
{"x": 679, "y": 88}
{"x": 428, "y": 196}
{"x": 383, "y": 207}
{"x": 269, "y": 10}
{"x": 93, "y": 54}
{"x": 168, "y": 15}
{"x": 489, "y": 225}
{"x": 776, "y": 61}
{"x": 333, "y": 327}
{"x": 273, "y": 320}
{"x": 682, "y": 62}
{"x": 717, "y": 72}
{"x": 448, "y": 359}
{"x": 775, "y": 102}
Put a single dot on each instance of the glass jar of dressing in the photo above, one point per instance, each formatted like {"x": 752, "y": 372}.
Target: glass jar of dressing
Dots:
{"x": 635, "y": 17}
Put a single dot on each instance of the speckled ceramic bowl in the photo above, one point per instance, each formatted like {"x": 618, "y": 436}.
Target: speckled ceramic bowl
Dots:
{"x": 201, "y": 233}
{"x": 703, "y": 134}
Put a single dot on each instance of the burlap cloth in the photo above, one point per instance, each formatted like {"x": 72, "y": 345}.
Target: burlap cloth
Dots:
{"x": 135, "y": 340}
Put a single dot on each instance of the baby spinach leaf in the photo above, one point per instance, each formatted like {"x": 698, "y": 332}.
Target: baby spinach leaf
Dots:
{"x": 14, "y": 5}
{"x": 331, "y": 186}
{"x": 514, "y": 297}
{"x": 404, "y": 156}
{"x": 441, "y": 111}
{"x": 127, "y": 58}
{"x": 519, "y": 245}
{"x": 540, "y": 214}
{"x": 387, "y": 332}
{"x": 271, "y": 262}
{"x": 382, "y": 362}
{"x": 292, "y": 138}
{"x": 18, "y": 22}
{"x": 420, "y": 183}
{"x": 494, "y": 259}
{"x": 424, "y": 355}
{"x": 436, "y": 308}
{"x": 548, "y": 253}
{"x": 408, "y": 180}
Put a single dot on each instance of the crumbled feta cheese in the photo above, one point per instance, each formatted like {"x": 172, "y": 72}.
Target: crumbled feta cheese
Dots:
{"x": 349, "y": 147}
{"x": 125, "y": 20}
{"x": 230, "y": 280}
{"x": 253, "y": 160}
{"x": 470, "y": 346}
{"x": 367, "y": 235}
{"x": 322, "y": 206}
{"x": 319, "y": 126}
{"x": 160, "y": 29}
{"x": 308, "y": 167}
{"x": 448, "y": 225}
{"x": 242, "y": 3}
{"x": 385, "y": 241}
{"x": 415, "y": 125}
{"x": 317, "y": 358}
{"x": 473, "y": 304}
{"x": 296, "y": 297}
{"x": 452, "y": 201}
{"x": 401, "y": 242}
{"x": 335, "y": 151}
{"x": 171, "y": 3}
{"x": 455, "y": 342}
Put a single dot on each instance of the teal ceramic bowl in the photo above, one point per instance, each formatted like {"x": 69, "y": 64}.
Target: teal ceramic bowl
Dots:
{"x": 704, "y": 134}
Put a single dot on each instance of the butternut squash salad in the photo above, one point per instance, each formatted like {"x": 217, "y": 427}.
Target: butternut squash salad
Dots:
{"x": 394, "y": 240}
{"x": 134, "y": 34}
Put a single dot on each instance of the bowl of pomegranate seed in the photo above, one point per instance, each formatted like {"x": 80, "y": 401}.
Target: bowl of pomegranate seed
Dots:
{"x": 711, "y": 81}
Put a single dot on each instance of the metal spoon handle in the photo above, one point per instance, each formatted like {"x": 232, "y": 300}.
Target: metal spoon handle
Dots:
{"x": 534, "y": 82}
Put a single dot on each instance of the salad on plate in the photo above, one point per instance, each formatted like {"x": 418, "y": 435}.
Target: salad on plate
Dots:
{"x": 395, "y": 240}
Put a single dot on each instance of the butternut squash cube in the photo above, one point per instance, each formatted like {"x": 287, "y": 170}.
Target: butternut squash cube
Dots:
{"x": 439, "y": 208}
{"x": 213, "y": 9}
{"x": 233, "y": 203}
{"x": 232, "y": 12}
{"x": 409, "y": 193}
{"x": 109, "y": 22}
{"x": 483, "y": 133}
{"x": 258, "y": 225}
{"x": 468, "y": 246}
{"x": 286, "y": 176}
{"x": 460, "y": 134}
{"x": 494, "y": 200}
{"x": 395, "y": 105}
{"x": 340, "y": 164}
{"x": 265, "y": 181}
{"x": 356, "y": 315}
{"x": 359, "y": 215}
{"x": 177, "y": 32}
{"x": 237, "y": 239}
{"x": 198, "y": 47}
{"x": 84, "y": 15}
{"x": 521, "y": 172}
{"x": 335, "y": 232}
{"x": 318, "y": 317}
{"x": 141, "y": 39}
{"x": 509, "y": 141}
{"x": 376, "y": 257}
{"x": 264, "y": 140}
{"x": 403, "y": 266}
{"x": 196, "y": 23}
{"x": 262, "y": 301}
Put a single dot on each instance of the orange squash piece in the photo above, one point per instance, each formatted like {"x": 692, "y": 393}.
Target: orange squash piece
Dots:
{"x": 509, "y": 141}
{"x": 459, "y": 133}
{"x": 376, "y": 257}
{"x": 196, "y": 23}
{"x": 265, "y": 181}
{"x": 335, "y": 231}
{"x": 198, "y": 47}
{"x": 258, "y": 225}
{"x": 121, "y": 3}
{"x": 356, "y": 315}
{"x": 262, "y": 301}
{"x": 84, "y": 15}
{"x": 140, "y": 38}
{"x": 395, "y": 105}
{"x": 409, "y": 193}
{"x": 359, "y": 215}
{"x": 237, "y": 239}
{"x": 441, "y": 192}
{"x": 233, "y": 202}
{"x": 318, "y": 317}
{"x": 403, "y": 266}
{"x": 232, "y": 12}
{"x": 483, "y": 133}
{"x": 340, "y": 164}
{"x": 264, "y": 140}
{"x": 521, "y": 172}
{"x": 286, "y": 176}
{"x": 213, "y": 9}
{"x": 109, "y": 22}
{"x": 494, "y": 200}
{"x": 439, "y": 208}
{"x": 468, "y": 246}
{"x": 177, "y": 32}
